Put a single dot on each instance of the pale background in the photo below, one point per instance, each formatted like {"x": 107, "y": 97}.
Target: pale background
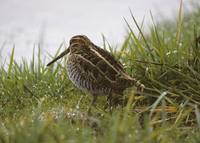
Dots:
{"x": 26, "y": 23}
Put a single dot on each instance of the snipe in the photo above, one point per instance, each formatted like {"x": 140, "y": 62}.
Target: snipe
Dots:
{"x": 93, "y": 69}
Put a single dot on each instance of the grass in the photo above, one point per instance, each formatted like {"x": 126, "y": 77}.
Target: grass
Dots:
{"x": 39, "y": 104}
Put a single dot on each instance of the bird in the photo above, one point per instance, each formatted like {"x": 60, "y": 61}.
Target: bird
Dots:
{"x": 95, "y": 70}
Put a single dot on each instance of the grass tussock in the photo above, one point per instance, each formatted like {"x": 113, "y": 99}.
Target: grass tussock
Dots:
{"x": 39, "y": 104}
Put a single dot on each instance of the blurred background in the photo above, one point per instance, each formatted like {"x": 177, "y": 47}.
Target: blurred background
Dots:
{"x": 24, "y": 24}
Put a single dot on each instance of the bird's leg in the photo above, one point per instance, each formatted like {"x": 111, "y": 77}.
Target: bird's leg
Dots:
{"x": 94, "y": 99}
{"x": 109, "y": 102}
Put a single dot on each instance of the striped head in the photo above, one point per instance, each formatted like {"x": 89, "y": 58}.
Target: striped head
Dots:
{"x": 75, "y": 42}
{"x": 80, "y": 40}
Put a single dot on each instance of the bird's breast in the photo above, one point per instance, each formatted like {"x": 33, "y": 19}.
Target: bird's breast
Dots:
{"x": 82, "y": 78}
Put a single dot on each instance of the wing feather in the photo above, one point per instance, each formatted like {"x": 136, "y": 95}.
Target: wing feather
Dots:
{"x": 110, "y": 58}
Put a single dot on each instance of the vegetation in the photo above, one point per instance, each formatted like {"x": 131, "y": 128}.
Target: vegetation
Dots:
{"x": 39, "y": 104}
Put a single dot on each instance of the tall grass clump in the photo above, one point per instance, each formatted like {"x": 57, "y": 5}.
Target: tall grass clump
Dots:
{"x": 167, "y": 60}
{"x": 39, "y": 104}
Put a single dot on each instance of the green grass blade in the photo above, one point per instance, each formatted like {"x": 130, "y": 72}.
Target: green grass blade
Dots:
{"x": 11, "y": 61}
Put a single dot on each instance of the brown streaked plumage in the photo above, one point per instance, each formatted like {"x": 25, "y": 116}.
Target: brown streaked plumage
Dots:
{"x": 95, "y": 70}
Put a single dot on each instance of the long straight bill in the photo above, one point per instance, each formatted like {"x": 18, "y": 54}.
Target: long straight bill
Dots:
{"x": 60, "y": 56}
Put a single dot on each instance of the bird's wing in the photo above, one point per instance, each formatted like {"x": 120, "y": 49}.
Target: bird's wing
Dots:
{"x": 97, "y": 63}
{"x": 110, "y": 58}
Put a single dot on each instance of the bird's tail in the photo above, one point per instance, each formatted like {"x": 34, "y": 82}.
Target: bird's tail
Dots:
{"x": 126, "y": 81}
{"x": 134, "y": 82}
{"x": 140, "y": 87}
